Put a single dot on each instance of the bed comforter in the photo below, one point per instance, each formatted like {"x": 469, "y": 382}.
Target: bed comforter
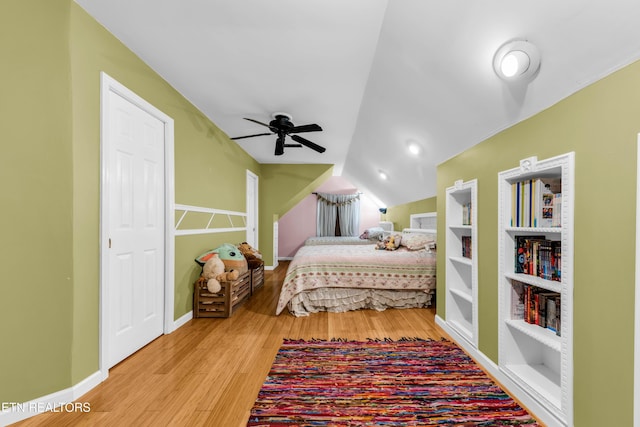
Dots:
{"x": 357, "y": 267}
{"x": 337, "y": 240}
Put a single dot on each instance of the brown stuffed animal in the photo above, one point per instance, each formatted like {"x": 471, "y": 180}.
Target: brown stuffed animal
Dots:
{"x": 214, "y": 271}
{"x": 253, "y": 256}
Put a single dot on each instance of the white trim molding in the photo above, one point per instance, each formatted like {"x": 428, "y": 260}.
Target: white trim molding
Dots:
{"x": 636, "y": 321}
{"x": 66, "y": 400}
{"x": 504, "y": 381}
{"x": 187, "y": 209}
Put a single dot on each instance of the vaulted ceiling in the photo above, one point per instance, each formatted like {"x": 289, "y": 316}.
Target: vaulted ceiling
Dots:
{"x": 374, "y": 74}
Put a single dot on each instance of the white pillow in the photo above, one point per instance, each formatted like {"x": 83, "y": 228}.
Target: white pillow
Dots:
{"x": 415, "y": 241}
{"x": 374, "y": 233}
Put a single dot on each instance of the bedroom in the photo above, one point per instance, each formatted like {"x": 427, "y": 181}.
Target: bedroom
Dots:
{"x": 600, "y": 124}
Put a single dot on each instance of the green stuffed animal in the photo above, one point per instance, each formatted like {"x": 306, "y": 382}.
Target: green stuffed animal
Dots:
{"x": 232, "y": 258}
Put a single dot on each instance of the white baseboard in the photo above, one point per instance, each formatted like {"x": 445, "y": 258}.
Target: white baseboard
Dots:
{"x": 60, "y": 401}
{"x": 182, "y": 320}
{"x": 513, "y": 388}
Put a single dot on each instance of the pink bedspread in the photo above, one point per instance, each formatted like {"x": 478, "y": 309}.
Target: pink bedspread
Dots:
{"x": 357, "y": 266}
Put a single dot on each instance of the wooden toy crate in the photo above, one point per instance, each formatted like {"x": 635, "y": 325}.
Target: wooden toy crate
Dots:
{"x": 257, "y": 278}
{"x": 223, "y": 303}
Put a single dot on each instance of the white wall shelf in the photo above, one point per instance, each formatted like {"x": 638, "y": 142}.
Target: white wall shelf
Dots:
{"x": 207, "y": 219}
{"x": 462, "y": 266}
{"x": 427, "y": 220}
{"x": 537, "y": 359}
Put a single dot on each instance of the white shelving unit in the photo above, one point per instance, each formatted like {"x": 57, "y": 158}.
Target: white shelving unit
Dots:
{"x": 428, "y": 220}
{"x": 535, "y": 358}
{"x": 461, "y": 271}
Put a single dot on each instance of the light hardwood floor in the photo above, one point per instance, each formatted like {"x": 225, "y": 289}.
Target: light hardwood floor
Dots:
{"x": 209, "y": 371}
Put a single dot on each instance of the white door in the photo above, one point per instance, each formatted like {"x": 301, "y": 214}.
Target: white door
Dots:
{"x": 252, "y": 209}
{"x": 134, "y": 184}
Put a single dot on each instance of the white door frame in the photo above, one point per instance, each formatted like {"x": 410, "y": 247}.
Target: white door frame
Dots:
{"x": 108, "y": 84}
{"x": 636, "y": 338}
{"x": 252, "y": 216}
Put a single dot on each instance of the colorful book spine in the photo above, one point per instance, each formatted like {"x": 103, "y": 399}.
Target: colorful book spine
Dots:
{"x": 533, "y": 204}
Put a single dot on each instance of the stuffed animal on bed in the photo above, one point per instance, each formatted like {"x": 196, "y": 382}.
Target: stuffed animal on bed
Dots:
{"x": 232, "y": 258}
{"x": 214, "y": 272}
{"x": 253, "y": 256}
{"x": 390, "y": 243}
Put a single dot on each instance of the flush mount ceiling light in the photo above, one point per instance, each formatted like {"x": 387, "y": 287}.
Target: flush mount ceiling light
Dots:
{"x": 413, "y": 147}
{"x": 517, "y": 60}
{"x": 383, "y": 175}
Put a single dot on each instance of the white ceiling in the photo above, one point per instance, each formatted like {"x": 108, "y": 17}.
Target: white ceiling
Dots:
{"x": 373, "y": 73}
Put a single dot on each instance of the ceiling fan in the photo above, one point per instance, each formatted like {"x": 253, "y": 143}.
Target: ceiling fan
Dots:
{"x": 281, "y": 125}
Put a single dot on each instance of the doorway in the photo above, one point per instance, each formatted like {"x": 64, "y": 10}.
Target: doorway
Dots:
{"x": 252, "y": 209}
{"x": 136, "y": 289}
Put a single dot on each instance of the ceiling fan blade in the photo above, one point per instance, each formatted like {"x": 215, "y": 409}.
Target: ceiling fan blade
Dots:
{"x": 263, "y": 124}
{"x": 305, "y": 128}
{"x": 251, "y": 136}
{"x": 293, "y": 145}
{"x": 308, "y": 143}
{"x": 279, "y": 146}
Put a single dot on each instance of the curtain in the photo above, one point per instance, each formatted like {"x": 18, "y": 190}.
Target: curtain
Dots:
{"x": 342, "y": 210}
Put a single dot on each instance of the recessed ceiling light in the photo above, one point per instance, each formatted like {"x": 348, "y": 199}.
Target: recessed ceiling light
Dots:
{"x": 414, "y": 147}
{"x": 383, "y": 175}
{"x": 517, "y": 60}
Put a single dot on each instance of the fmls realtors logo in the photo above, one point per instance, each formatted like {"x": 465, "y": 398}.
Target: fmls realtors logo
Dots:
{"x": 45, "y": 407}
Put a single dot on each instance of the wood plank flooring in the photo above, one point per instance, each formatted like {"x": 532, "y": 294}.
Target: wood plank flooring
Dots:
{"x": 209, "y": 371}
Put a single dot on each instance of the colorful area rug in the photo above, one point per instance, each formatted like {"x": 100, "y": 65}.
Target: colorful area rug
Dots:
{"x": 381, "y": 383}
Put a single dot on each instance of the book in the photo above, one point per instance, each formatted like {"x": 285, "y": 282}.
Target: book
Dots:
{"x": 517, "y": 300}
{"x": 536, "y": 203}
{"x": 522, "y": 252}
{"x": 466, "y": 246}
{"x": 537, "y": 256}
{"x": 466, "y": 213}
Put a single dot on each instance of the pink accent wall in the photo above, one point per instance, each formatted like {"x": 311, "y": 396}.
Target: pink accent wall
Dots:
{"x": 299, "y": 223}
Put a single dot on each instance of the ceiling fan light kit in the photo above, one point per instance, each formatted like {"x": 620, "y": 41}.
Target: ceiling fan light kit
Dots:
{"x": 282, "y": 126}
{"x": 517, "y": 60}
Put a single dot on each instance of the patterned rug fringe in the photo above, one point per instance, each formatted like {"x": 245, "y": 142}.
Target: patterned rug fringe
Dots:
{"x": 386, "y": 339}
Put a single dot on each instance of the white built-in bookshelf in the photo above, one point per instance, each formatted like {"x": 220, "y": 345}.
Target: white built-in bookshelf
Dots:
{"x": 462, "y": 260}
{"x": 427, "y": 220}
{"x": 535, "y": 281}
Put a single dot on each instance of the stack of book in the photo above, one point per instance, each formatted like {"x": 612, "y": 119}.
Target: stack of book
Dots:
{"x": 536, "y": 256}
{"x": 466, "y": 213}
{"x": 466, "y": 246}
{"x": 536, "y": 306}
{"x": 534, "y": 204}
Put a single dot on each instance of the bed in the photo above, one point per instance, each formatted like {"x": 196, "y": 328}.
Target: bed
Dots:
{"x": 340, "y": 278}
{"x": 336, "y": 240}
{"x": 371, "y": 235}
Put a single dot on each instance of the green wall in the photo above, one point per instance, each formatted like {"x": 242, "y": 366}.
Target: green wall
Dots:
{"x": 51, "y": 183}
{"x": 600, "y": 124}
{"x": 281, "y": 188}
{"x": 50, "y": 170}
{"x": 401, "y": 214}
{"x": 36, "y": 186}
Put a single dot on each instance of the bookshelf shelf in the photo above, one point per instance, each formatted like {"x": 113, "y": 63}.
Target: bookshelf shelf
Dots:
{"x": 542, "y": 335}
{"x": 427, "y": 220}
{"x": 549, "y": 285}
{"x": 540, "y": 377}
{"x": 530, "y": 352}
{"x": 461, "y": 227}
{"x": 466, "y": 296}
{"x": 462, "y": 260}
